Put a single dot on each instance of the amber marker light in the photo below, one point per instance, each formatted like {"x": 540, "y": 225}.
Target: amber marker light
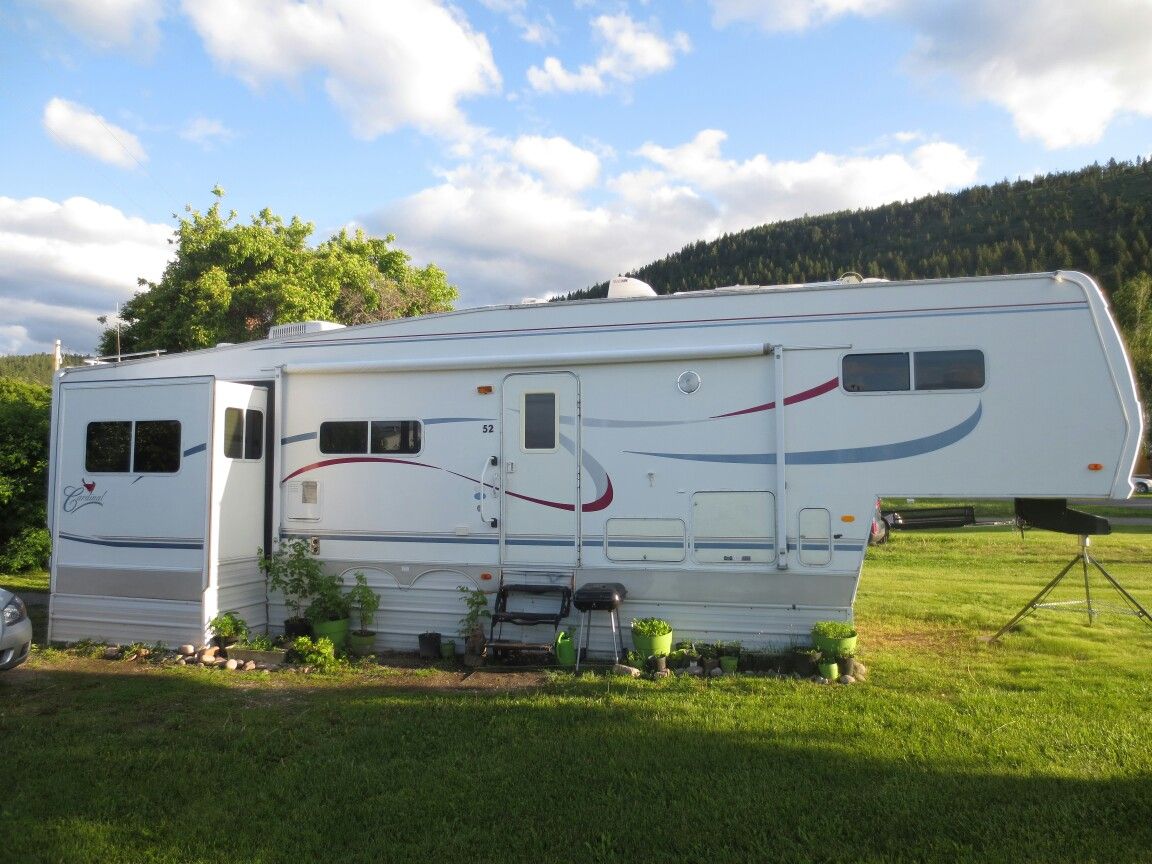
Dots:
{"x": 848, "y": 518}
{"x": 1095, "y": 466}
{"x": 486, "y": 577}
{"x": 484, "y": 389}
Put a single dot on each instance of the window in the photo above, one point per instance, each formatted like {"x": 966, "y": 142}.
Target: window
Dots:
{"x": 895, "y": 371}
{"x": 875, "y": 373}
{"x": 371, "y": 436}
{"x": 243, "y": 433}
{"x": 540, "y": 421}
{"x": 126, "y": 446}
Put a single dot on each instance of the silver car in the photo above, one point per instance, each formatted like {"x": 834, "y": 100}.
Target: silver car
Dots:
{"x": 15, "y": 630}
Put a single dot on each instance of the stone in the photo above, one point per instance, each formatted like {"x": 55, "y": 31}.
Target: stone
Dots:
{"x": 626, "y": 671}
{"x": 716, "y": 672}
{"x": 857, "y": 670}
{"x": 186, "y": 650}
{"x": 845, "y": 679}
{"x": 112, "y": 652}
{"x": 207, "y": 655}
{"x": 180, "y": 661}
{"x": 231, "y": 665}
{"x": 249, "y": 665}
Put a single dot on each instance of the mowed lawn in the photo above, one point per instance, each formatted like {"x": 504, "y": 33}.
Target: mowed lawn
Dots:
{"x": 1032, "y": 750}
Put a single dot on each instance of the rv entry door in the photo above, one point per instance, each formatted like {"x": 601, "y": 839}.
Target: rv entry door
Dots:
{"x": 540, "y": 469}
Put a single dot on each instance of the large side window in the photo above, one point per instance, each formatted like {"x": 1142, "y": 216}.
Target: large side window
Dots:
{"x": 126, "y": 446}
{"x": 540, "y": 421}
{"x": 901, "y": 371}
{"x": 375, "y": 436}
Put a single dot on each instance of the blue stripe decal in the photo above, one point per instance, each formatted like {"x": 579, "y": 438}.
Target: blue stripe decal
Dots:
{"x": 436, "y": 421}
{"x": 398, "y": 538}
{"x": 850, "y": 455}
{"x": 128, "y": 543}
{"x": 293, "y": 439}
{"x": 199, "y": 448}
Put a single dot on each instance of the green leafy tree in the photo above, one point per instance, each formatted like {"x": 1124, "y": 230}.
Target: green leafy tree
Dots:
{"x": 24, "y": 416}
{"x": 1132, "y": 305}
{"x": 229, "y": 282}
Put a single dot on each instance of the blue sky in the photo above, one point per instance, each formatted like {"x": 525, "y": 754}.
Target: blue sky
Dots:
{"x": 526, "y": 148}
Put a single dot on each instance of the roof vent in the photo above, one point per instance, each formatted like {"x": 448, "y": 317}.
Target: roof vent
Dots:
{"x": 626, "y": 286}
{"x": 299, "y": 328}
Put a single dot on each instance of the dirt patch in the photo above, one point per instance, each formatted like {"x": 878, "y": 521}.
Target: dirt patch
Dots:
{"x": 919, "y": 640}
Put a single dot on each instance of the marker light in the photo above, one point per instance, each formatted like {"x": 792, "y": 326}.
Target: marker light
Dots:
{"x": 484, "y": 389}
{"x": 1095, "y": 466}
{"x": 848, "y": 518}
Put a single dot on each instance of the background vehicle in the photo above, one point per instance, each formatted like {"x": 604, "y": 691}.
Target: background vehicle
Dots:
{"x": 15, "y": 630}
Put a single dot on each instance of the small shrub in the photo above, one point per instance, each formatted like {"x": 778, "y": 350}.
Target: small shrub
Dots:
{"x": 320, "y": 653}
{"x": 833, "y": 630}
{"x": 29, "y": 550}
{"x": 229, "y": 625}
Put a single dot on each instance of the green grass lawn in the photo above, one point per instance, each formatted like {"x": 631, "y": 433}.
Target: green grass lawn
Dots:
{"x": 1031, "y": 750}
{"x": 23, "y": 582}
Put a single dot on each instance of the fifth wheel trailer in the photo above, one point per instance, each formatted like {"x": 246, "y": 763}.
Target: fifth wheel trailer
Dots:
{"x": 718, "y": 452}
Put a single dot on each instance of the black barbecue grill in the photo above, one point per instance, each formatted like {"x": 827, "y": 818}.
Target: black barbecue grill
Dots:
{"x": 599, "y": 597}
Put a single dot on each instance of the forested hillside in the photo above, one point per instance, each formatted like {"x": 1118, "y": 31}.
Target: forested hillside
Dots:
{"x": 33, "y": 367}
{"x": 1096, "y": 220}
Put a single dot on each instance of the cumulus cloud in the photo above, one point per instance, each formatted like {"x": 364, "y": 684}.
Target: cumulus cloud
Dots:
{"x": 64, "y": 263}
{"x": 111, "y": 24}
{"x": 79, "y": 128}
{"x": 631, "y": 51}
{"x": 385, "y": 65}
{"x": 504, "y": 231}
{"x": 1063, "y": 69}
{"x": 558, "y": 161}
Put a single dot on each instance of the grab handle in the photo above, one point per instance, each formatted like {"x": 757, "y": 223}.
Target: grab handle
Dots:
{"x": 490, "y": 462}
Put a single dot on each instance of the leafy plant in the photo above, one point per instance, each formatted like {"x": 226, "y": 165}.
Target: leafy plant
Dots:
{"x": 365, "y": 601}
{"x": 707, "y": 650}
{"x": 259, "y": 642}
{"x": 833, "y": 630}
{"x": 651, "y": 627}
{"x": 728, "y": 649}
{"x": 329, "y": 602}
{"x": 476, "y": 602}
{"x": 229, "y": 625}
{"x": 293, "y": 571}
{"x": 320, "y": 653}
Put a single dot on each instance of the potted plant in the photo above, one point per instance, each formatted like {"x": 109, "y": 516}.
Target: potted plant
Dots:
{"x": 827, "y": 668}
{"x": 651, "y": 636}
{"x": 834, "y": 638}
{"x": 329, "y": 610}
{"x": 364, "y": 602}
{"x": 293, "y": 571}
{"x": 709, "y": 656}
{"x": 259, "y": 648}
{"x": 471, "y": 625}
{"x": 228, "y": 628}
{"x": 729, "y": 656}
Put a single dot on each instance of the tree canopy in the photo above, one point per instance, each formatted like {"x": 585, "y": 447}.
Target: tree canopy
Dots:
{"x": 230, "y": 281}
{"x": 24, "y": 415}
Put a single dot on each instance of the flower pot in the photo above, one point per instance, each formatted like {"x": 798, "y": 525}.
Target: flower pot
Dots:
{"x": 361, "y": 643}
{"x": 834, "y": 647}
{"x": 649, "y": 646}
{"x": 337, "y": 631}
{"x": 264, "y": 658}
{"x": 828, "y": 669}
{"x": 294, "y": 627}
{"x": 429, "y": 646}
{"x": 448, "y": 649}
{"x": 729, "y": 663}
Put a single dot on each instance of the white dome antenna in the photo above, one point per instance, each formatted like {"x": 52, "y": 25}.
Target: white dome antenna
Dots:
{"x": 626, "y": 286}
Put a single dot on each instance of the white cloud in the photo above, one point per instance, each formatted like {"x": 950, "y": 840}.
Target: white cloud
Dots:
{"x": 64, "y": 263}
{"x": 111, "y": 24}
{"x": 631, "y": 51}
{"x": 206, "y": 132}
{"x": 1064, "y": 69}
{"x": 793, "y": 15}
{"x": 79, "y": 128}
{"x": 503, "y": 233}
{"x": 385, "y": 65}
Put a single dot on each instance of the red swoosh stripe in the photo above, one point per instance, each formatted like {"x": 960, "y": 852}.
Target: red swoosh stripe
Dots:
{"x": 812, "y": 393}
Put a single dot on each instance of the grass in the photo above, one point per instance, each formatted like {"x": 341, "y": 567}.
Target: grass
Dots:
{"x": 23, "y": 582}
{"x": 1031, "y": 750}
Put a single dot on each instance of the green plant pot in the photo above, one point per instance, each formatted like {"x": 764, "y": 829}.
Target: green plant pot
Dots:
{"x": 828, "y": 670}
{"x": 448, "y": 649}
{"x": 337, "y": 631}
{"x": 729, "y": 663}
{"x": 361, "y": 644}
{"x": 649, "y": 646}
{"x": 834, "y": 647}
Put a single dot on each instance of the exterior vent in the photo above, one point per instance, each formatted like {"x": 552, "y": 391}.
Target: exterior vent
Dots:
{"x": 626, "y": 286}
{"x": 299, "y": 328}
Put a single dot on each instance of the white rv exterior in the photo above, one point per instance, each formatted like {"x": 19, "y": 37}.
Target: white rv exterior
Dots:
{"x": 717, "y": 452}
